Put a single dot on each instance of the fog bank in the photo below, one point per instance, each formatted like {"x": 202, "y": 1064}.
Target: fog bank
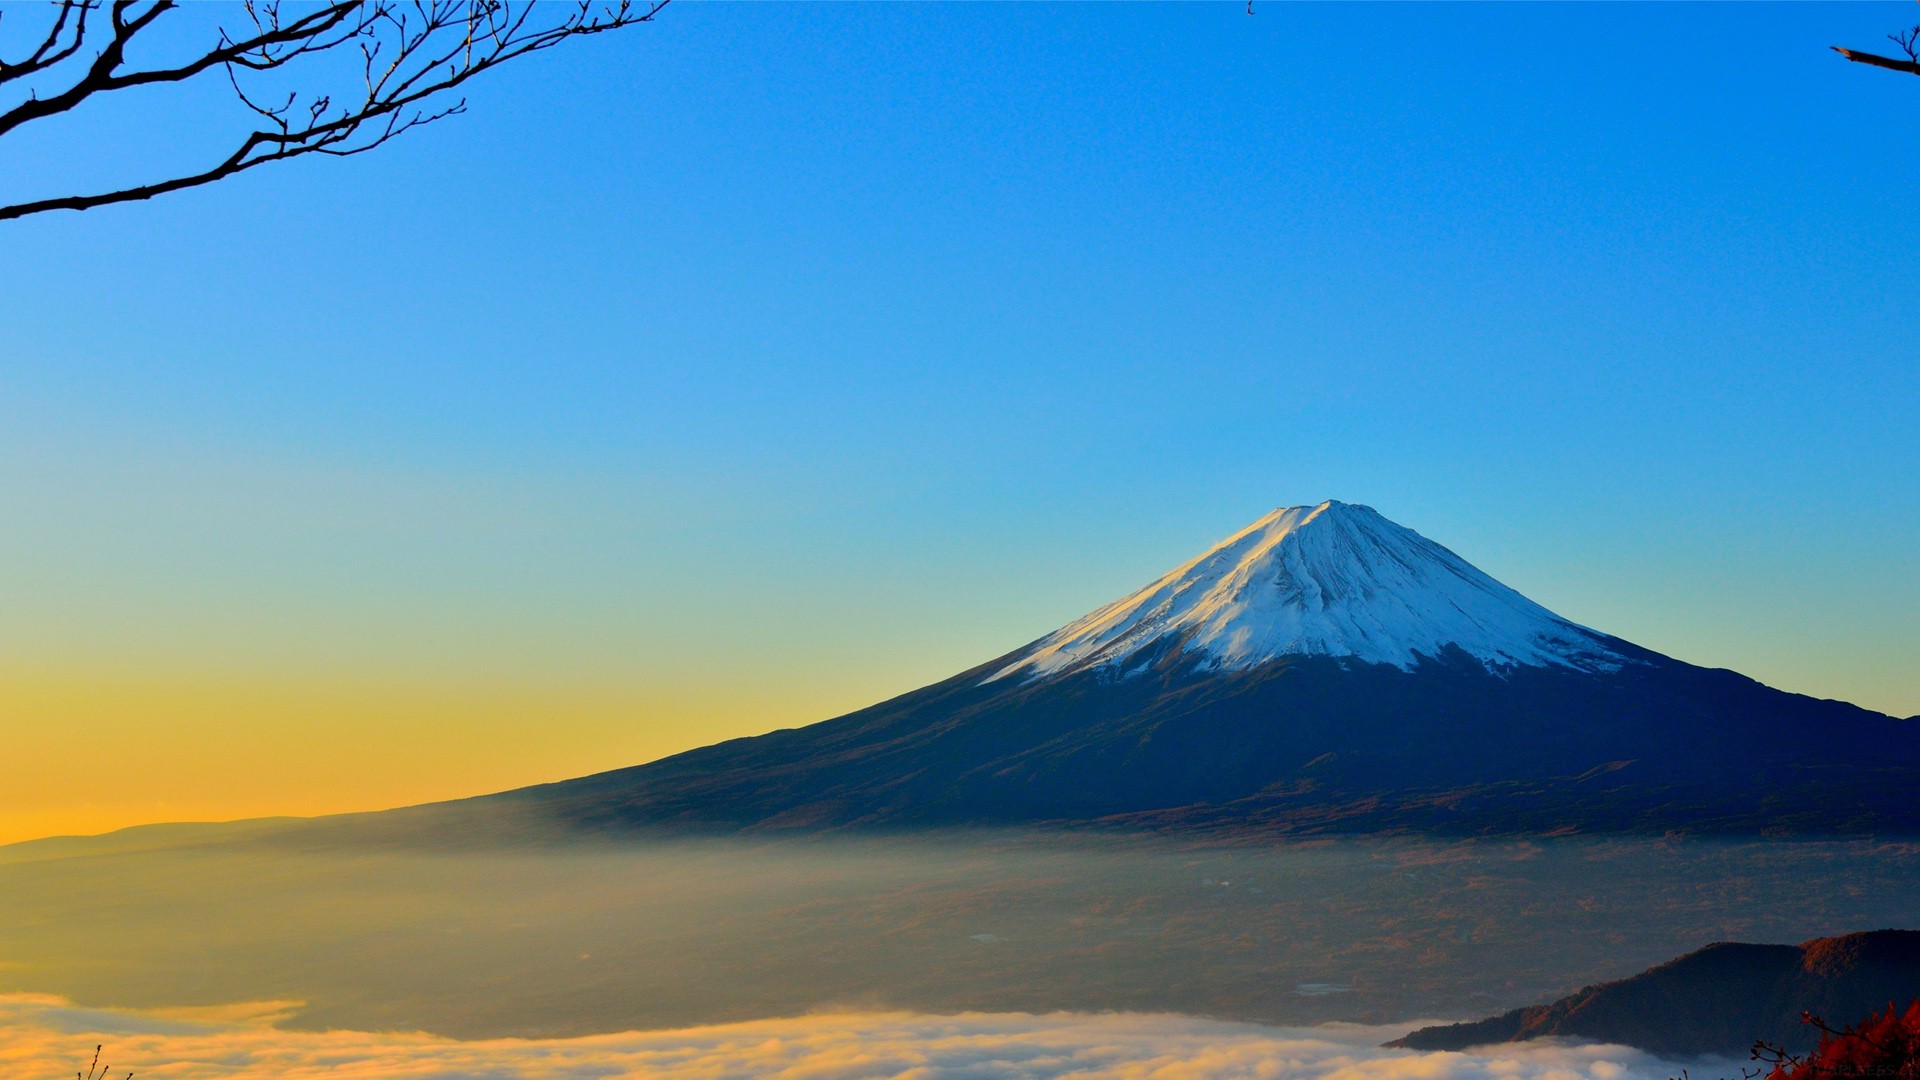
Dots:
{"x": 43, "y": 1036}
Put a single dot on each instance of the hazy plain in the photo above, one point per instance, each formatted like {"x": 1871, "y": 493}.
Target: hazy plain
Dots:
{"x": 548, "y": 941}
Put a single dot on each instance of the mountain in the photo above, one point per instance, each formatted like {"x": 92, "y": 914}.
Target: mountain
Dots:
{"x": 1717, "y": 1000}
{"x": 1327, "y": 580}
{"x": 1323, "y": 669}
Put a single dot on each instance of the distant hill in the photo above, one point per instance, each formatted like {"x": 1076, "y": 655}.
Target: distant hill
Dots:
{"x": 1717, "y": 1000}
{"x": 1322, "y": 670}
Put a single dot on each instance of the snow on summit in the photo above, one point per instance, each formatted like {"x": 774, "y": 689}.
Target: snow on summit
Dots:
{"x": 1329, "y": 580}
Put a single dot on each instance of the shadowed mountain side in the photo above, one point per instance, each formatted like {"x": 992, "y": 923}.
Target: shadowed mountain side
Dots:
{"x": 1307, "y": 743}
{"x": 1717, "y": 1000}
{"x": 1322, "y": 669}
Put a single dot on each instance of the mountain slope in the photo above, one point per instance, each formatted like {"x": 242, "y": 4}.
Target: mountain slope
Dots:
{"x": 1322, "y": 669}
{"x": 1716, "y": 1000}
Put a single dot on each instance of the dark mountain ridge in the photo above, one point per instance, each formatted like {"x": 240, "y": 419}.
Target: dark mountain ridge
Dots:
{"x": 1716, "y": 1000}
{"x": 1322, "y": 670}
{"x": 1300, "y": 744}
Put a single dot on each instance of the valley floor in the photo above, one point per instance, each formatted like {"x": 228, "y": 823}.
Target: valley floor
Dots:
{"x": 556, "y": 943}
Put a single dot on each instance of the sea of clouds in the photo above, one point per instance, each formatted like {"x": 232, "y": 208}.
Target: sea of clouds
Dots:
{"x": 44, "y": 1036}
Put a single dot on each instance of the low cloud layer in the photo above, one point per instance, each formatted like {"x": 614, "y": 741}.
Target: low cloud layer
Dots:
{"x": 44, "y": 1036}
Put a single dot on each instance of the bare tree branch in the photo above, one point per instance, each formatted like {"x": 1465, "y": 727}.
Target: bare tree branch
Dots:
{"x": 1909, "y": 42}
{"x": 58, "y": 43}
{"x": 1909, "y": 66}
{"x": 411, "y": 56}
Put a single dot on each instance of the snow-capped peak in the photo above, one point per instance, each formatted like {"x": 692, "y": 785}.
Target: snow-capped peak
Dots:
{"x": 1335, "y": 579}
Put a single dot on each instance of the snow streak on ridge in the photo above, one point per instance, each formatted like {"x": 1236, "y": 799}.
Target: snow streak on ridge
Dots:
{"x": 1330, "y": 580}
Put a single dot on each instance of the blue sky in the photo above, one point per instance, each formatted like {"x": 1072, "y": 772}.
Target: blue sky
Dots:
{"x": 771, "y": 359}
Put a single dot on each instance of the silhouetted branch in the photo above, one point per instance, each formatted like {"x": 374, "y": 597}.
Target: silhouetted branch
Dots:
{"x": 1909, "y": 43}
{"x": 411, "y": 56}
{"x": 1911, "y": 67}
{"x": 97, "y": 1071}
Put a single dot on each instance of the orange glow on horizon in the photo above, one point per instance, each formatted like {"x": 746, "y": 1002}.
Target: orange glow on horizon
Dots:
{"x": 88, "y": 754}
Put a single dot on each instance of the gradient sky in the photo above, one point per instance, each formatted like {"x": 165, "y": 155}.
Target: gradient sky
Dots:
{"x": 752, "y": 366}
